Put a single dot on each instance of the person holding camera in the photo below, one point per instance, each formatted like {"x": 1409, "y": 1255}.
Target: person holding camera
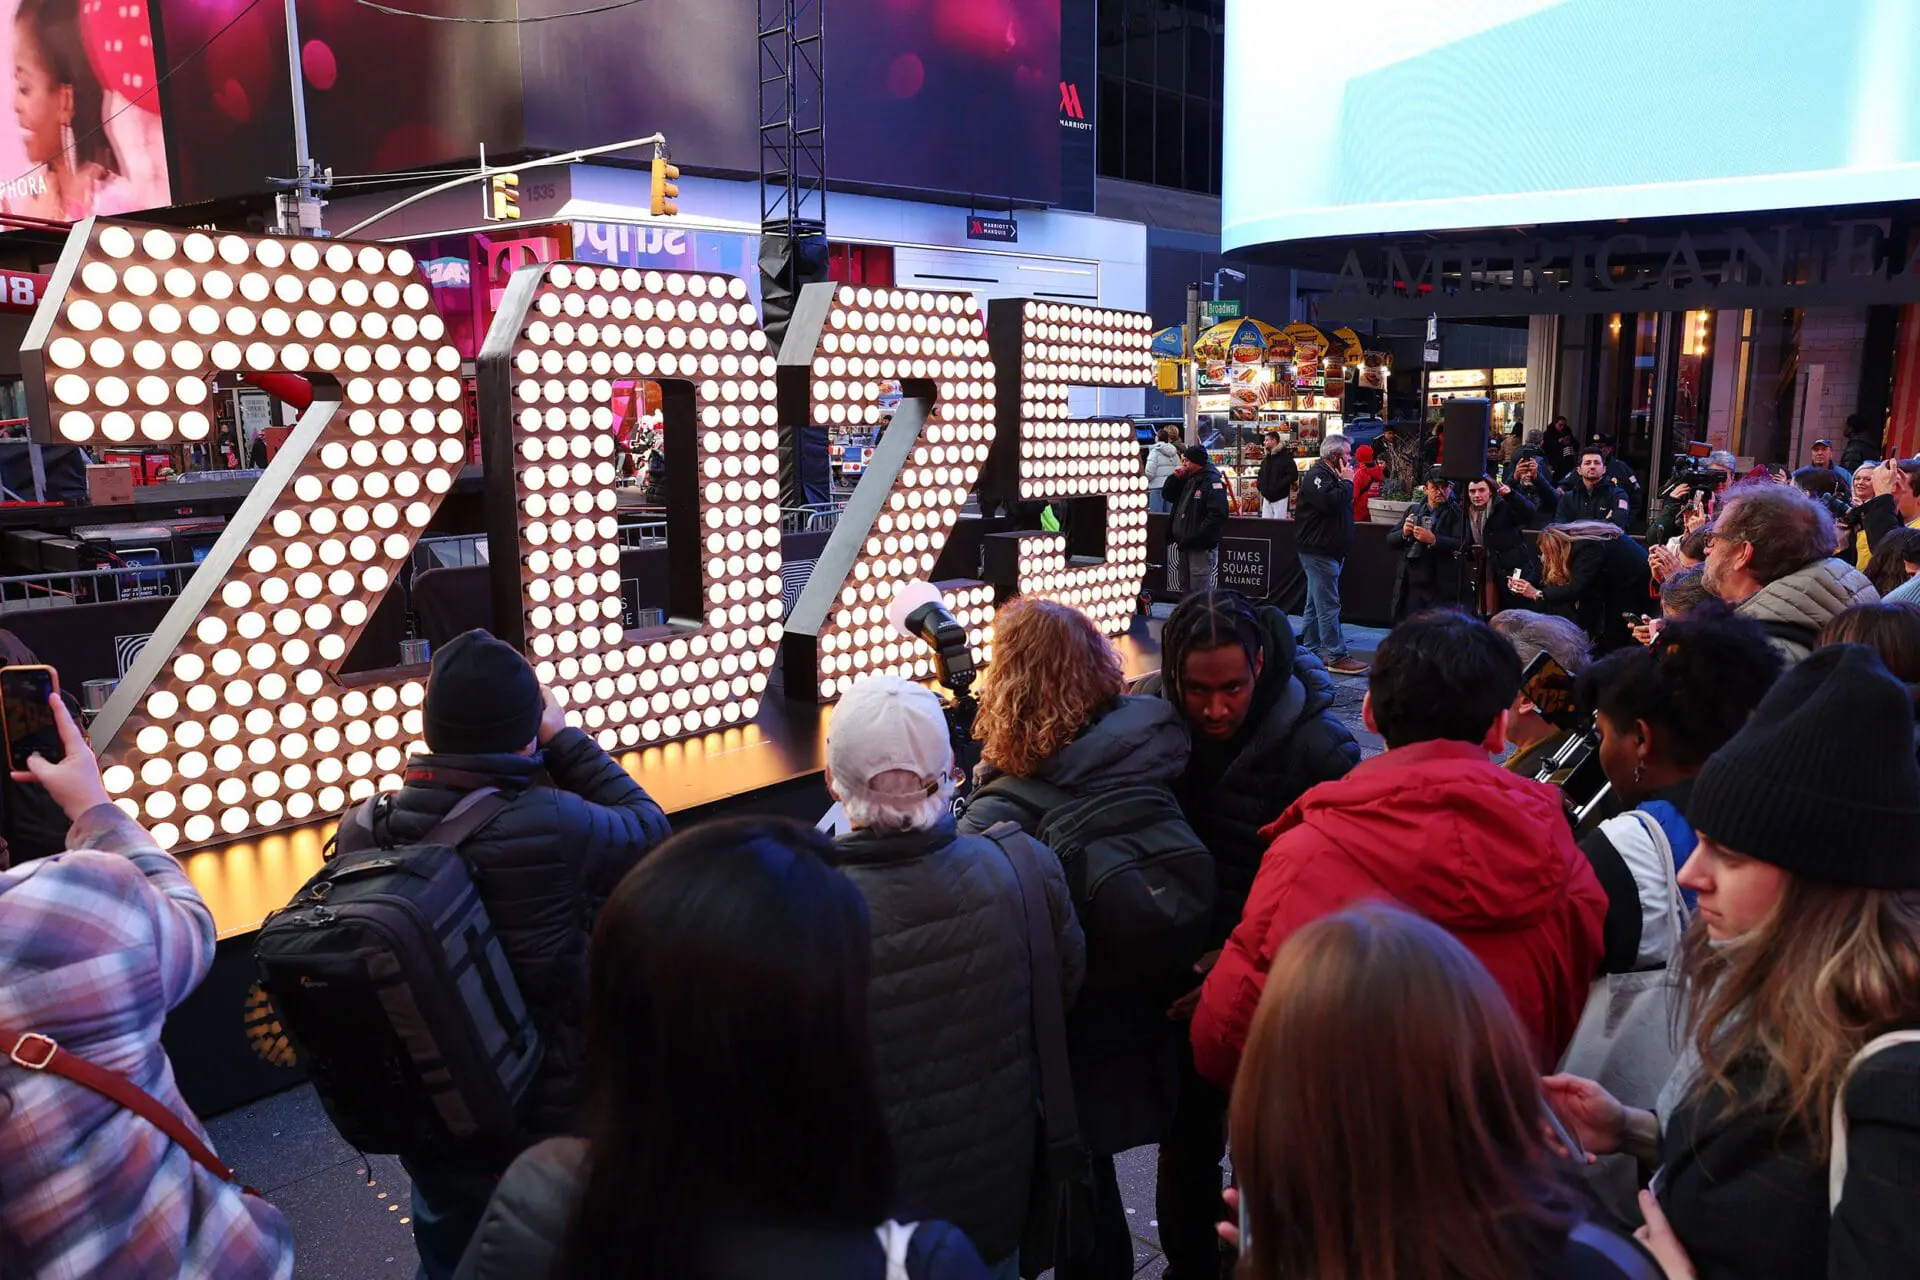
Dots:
{"x": 1429, "y": 543}
{"x": 1594, "y": 574}
{"x": 98, "y": 944}
{"x": 1529, "y": 482}
{"x": 1690, "y": 498}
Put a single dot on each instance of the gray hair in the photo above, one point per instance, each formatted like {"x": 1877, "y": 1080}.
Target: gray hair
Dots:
{"x": 1532, "y": 634}
{"x": 915, "y": 812}
{"x": 1332, "y": 445}
{"x": 1721, "y": 458}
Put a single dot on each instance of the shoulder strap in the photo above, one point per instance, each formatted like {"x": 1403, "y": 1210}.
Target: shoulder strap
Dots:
{"x": 1049, "y": 1014}
{"x": 32, "y": 1051}
{"x": 1627, "y": 1258}
{"x": 1031, "y": 794}
{"x": 1837, "y": 1157}
{"x": 1676, "y": 904}
{"x": 896, "y": 1238}
{"x": 473, "y": 811}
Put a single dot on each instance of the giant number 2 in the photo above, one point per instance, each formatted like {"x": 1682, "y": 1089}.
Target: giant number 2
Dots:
{"x": 234, "y": 718}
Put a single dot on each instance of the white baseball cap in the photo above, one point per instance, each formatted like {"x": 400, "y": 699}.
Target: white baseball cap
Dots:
{"x": 886, "y": 725}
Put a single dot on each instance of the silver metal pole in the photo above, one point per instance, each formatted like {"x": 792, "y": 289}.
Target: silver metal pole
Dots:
{"x": 304, "y": 213}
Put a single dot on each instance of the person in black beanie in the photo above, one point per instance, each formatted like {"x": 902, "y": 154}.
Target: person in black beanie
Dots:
{"x": 575, "y": 823}
{"x": 1789, "y": 1133}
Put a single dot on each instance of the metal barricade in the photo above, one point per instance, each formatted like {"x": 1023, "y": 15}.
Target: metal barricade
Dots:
{"x": 93, "y": 586}
{"x": 452, "y": 551}
{"x": 642, "y": 535}
{"x": 815, "y": 517}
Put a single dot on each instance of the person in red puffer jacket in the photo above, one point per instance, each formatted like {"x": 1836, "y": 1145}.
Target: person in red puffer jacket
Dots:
{"x": 1435, "y": 826}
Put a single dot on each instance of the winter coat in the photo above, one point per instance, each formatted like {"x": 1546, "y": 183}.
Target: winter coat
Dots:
{"x": 1558, "y": 447}
{"x": 1605, "y": 581}
{"x": 1543, "y": 498}
{"x": 543, "y": 865}
{"x": 1323, "y": 513}
{"x": 1366, "y": 485}
{"x": 1163, "y": 459}
{"x": 1120, "y": 1042}
{"x": 1605, "y": 501}
{"x": 1858, "y": 452}
{"x": 950, "y": 1001}
{"x": 1279, "y": 473}
{"x": 96, "y": 946}
{"x": 1793, "y": 609}
{"x": 1748, "y": 1197}
{"x": 1291, "y": 742}
{"x": 525, "y": 1225}
{"x": 1450, "y": 835}
{"x": 1200, "y": 508}
{"x": 1436, "y": 566}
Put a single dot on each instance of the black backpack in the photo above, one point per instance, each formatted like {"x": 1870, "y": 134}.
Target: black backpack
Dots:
{"x": 1142, "y": 881}
{"x": 395, "y": 993}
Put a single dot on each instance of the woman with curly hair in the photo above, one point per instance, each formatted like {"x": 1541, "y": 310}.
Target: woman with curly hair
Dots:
{"x": 1789, "y": 1131}
{"x": 1052, "y": 711}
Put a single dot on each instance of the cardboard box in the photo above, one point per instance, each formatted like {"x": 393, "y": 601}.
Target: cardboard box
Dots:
{"x": 110, "y": 485}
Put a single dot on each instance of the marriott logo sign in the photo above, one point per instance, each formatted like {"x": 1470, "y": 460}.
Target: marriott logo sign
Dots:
{"x": 1072, "y": 114}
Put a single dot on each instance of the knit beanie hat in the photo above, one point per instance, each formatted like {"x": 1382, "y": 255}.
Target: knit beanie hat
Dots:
{"x": 1822, "y": 780}
{"x": 482, "y": 698}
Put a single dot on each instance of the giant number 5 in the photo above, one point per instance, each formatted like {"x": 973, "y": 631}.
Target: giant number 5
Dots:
{"x": 234, "y": 718}
{"x": 842, "y": 347}
{"x": 1041, "y": 349}
{"x": 562, "y": 335}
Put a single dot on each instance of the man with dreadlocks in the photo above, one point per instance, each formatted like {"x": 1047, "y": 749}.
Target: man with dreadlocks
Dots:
{"x": 1260, "y": 714}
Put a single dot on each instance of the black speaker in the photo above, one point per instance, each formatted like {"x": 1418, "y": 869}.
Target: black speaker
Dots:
{"x": 1464, "y": 425}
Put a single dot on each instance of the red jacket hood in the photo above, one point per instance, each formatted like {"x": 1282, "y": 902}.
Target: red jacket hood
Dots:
{"x": 1449, "y": 833}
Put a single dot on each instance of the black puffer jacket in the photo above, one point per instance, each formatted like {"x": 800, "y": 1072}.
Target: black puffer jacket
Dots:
{"x": 952, "y": 1020}
{"x": 1291, "y": 742}
{"x": 543, "y": 866}
{"x": 525, "y": 1226}
{"x": 1120, "y": 1042}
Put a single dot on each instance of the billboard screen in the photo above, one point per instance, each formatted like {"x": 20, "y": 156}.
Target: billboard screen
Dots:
{"x": 1480, "y": 113}
{"x": 87, "y": 137}
{"x": 957, "y": 96}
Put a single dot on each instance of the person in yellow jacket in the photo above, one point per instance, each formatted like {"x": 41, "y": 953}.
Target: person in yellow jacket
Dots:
{"x": 1887, "y": 498}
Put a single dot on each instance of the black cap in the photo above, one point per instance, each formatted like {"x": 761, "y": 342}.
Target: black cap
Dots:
{"x": 482, "y": 698}
{"x": 1822, "y": 781}
{"x": 1435, "y": 477}
{"x": 1197, "y": 453}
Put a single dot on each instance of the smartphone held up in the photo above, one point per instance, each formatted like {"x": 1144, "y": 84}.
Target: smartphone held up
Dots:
{"x": 26, "y": 710}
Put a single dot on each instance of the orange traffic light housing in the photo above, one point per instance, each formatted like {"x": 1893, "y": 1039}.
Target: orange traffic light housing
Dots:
{"x": 666, "y": 186}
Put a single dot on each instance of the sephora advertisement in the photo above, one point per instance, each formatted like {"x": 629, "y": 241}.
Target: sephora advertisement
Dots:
{"x": 953, "y": 96}
{"x": 86, "y": 136}
{"x": 1479, "y": 113}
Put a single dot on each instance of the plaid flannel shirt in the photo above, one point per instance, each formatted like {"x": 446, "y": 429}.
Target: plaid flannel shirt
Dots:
{"x": 96, "y": 945}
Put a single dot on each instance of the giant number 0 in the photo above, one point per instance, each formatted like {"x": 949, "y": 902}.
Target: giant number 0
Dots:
{"x": 562, "y": 335}
{"x": 234, "y": 718}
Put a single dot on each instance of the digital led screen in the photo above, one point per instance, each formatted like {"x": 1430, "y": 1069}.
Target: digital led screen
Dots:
{"x": 956, "y": 96}
{"x": 1475, "y": 113}
{"x": 86, "y": 136}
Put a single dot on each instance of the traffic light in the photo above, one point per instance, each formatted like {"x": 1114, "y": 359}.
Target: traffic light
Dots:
{"x": 666, "y": 185}
{"x": 506, "y": 196}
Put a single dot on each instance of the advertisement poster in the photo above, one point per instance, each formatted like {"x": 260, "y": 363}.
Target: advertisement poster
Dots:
{"x": 86, "y": 136}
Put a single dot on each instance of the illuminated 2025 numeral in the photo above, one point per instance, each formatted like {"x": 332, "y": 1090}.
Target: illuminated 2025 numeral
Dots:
{"x": 234, "y": 718}
{"x": 561, "y": 339}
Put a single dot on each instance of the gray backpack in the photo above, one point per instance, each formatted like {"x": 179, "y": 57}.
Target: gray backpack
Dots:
{"x": 396, "y": 995}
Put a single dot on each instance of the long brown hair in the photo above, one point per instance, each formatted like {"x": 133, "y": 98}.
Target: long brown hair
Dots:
{"x": 1386, "y": 1117}
{"x": 1052, "y": 672}
{"x": 1829, "y": 969}
{"x": 1556, "y": 546}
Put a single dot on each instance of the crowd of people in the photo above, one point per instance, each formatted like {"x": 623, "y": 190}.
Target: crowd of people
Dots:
{"x": 1440, "y": 1030}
